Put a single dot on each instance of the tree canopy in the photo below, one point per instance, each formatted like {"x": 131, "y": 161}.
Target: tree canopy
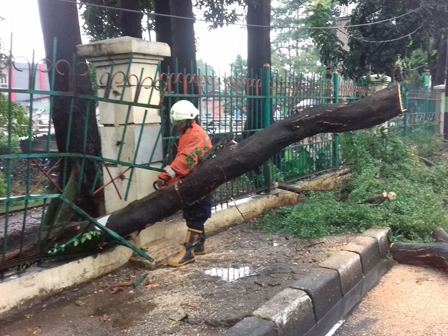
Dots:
{"x": 292, "y": 48}
{"x": 390, "y": 37}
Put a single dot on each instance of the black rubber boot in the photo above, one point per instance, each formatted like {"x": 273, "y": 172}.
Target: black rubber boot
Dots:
{"x": 199, "y": 247}
{"x": 186, "y": 256}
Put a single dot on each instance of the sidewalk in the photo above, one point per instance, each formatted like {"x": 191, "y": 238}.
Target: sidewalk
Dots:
{"x": 409, "y": 301}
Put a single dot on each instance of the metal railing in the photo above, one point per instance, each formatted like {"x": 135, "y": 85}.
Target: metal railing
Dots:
{"x": 422, "y": 111}
{"x": 34, "y": 160}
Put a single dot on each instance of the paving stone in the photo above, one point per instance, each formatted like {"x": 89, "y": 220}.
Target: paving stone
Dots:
{"x": 252, "y": 326}
{"x": 382, "y": 235}
{"x": 351, "y": 299}
{"x": 348, "y": 265}
{"x": 368, "y": 250}
{"x": 323, "y": 286}
{"x": 385, "y": 266}
{"x": 329, "y": 320}
{"x": 370, "y": 280}
{"x": 312, "y": 332}
{"x": 291, "y": 310}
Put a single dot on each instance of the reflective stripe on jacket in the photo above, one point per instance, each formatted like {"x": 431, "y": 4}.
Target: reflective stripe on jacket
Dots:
{"x": 194, "y": 138}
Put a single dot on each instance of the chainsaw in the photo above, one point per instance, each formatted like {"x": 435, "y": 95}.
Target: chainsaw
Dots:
{"x": 170, "y": 182}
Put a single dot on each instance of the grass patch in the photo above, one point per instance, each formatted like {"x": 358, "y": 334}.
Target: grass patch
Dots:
{"x": 379, "y": 162}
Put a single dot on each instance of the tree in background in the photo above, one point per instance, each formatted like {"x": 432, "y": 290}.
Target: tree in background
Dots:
{"x": 60, "y": 20}
{"x": 410, "y": 29}
{"x": 206, "y": 70}
{"x": 292, "y": 48}
{"x": 102, "y": 23}
{"x": 324, "y": 13}
{"x": 258, "y": 53}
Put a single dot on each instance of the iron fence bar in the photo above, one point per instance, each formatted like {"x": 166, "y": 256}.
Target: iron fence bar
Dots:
{"x": 53, "y": 75}
{"x": 128, "y": 70}
{"x": 77, "y": 155}
{"x": 123, "y": 136}
{"x": 97, "y": 176}
{"x": 109, "y": 81}
{"x": 336, "y": 136}
{"x": 80, "y": 96}
{"x": 266, "y": 84}
{"x": 103, "y": 228}
{"x": 42, "y": 217}
{"x": 84, "y": 147}
{"x": 8, "y": 186}
{"x": 135, "y": 155}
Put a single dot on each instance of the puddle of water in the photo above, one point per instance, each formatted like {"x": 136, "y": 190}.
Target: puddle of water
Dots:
{"x": 230, "y": 274}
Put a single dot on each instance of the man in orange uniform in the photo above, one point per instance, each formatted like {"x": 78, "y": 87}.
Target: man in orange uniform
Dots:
{"x": 193, "y": 143}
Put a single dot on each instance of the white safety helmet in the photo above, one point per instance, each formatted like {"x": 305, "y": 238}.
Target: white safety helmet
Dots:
{"x": 183, "y": 110}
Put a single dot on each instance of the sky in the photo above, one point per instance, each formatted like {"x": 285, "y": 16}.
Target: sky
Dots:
{"x": 218, "y": 47}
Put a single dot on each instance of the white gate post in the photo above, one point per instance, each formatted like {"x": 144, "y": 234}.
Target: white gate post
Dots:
{"x": 117, "y": 54}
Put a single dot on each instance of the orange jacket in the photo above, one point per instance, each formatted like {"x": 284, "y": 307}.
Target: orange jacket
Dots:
{"x": 194, "y": 138}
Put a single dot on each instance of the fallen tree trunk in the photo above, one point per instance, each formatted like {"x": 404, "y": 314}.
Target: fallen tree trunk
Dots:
{"x": 227, "y": 161}
{"x": 433, "y": 255}
{"x": 385, "y": 196}
{"x": 297, "y": 190}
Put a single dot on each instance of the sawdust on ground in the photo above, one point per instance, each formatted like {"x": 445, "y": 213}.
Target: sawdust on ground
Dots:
{"x": 409, "y": 301}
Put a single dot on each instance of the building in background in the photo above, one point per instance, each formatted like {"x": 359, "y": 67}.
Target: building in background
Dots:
{"x": 22, "y": 78}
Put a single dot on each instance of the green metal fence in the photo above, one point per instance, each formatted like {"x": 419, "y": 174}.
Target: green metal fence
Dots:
{"x": 35, "y": 162}
{"x": 238, "y": 104}
{"x": 422, "y": 111}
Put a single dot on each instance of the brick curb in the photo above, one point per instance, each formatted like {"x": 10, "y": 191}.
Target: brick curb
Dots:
{"x": 316, "y": 302}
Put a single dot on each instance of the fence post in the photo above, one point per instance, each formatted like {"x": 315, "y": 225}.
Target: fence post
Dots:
{"x": 336, "y": 136}
{"x": 442, "y": 108}
{"x": 130, "y": 133}
{"x": 405, "y": 103}
{"x": 266, "y": 87}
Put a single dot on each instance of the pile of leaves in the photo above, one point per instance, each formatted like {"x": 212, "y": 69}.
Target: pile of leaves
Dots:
{"x": 379, "y": 162}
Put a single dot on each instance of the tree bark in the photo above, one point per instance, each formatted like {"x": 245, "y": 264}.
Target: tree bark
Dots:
{"x": 163, "y": 29}
{"x": 183, "y": 47}
{"x": 229, "y": 160}
{"x": 131, "y": 22}
{"x": 60, "y": 20}
{"x": 432, "y": 255}
{"x": 438, "y": 69}
{"x": 258, "y": 54}
{"x": 297, "y": 190}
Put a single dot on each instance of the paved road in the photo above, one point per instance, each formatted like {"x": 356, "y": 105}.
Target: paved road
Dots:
{"x": 409, "y": 301}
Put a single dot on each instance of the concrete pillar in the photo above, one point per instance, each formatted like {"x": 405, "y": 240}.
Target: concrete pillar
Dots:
{"x": 441, "y": 88}
{"x": 145, "y": 58}
{"x": 378, "y": 82}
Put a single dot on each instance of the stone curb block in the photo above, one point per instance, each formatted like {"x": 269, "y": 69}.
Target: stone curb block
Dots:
{"x": 368, "y": 249}
{"x": 383, "y": 236}
{"x": 316, "y": 302}
{"x": 323, "y": 287}
{"x": 253, "y": 326}
{"x": 291, "y": 310}
{"x": 348, "y": 265}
